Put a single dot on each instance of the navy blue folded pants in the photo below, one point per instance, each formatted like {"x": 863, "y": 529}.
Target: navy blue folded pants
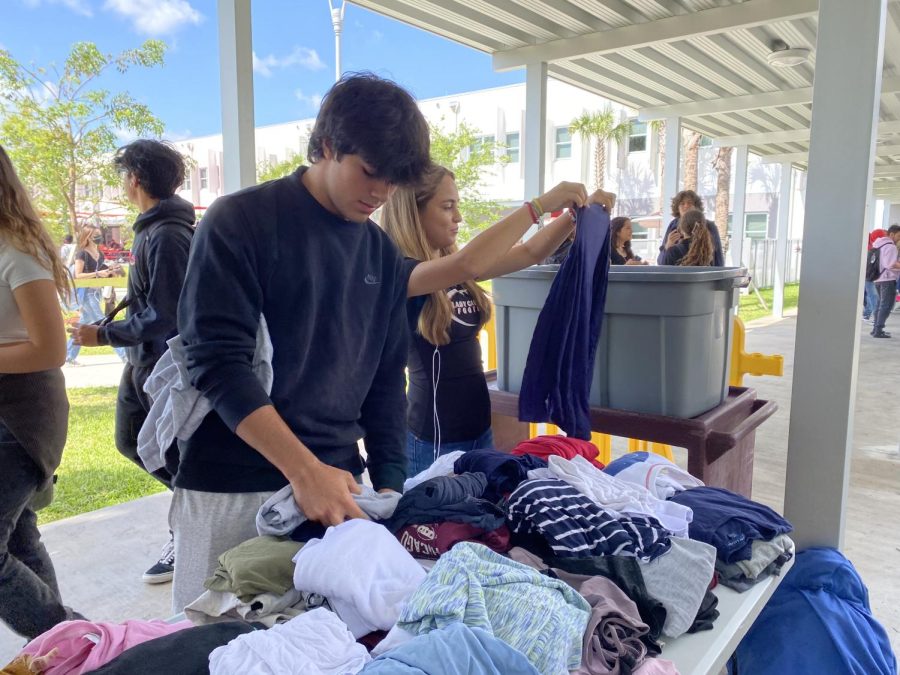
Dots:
{"x": 556, "y": 384}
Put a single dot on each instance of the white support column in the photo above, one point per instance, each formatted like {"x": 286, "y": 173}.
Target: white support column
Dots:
{"x": 672, "y": 167}
{"x": 886, "y": 214}
{"x": 236, "y": 74}
{"x": 849, "y": 51}
{"x": 869, "y": 218}
{"x": 785, "y": 194}
{"x": 736, "y": 246}
{"x": 535, "y": 142}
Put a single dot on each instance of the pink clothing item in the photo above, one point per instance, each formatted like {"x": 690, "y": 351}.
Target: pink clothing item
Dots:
{"x": 75, "y": 647}
{"x": 434, "y": 539}
{"x": 656, "y": 667}
{"x": 889, "y": 255}
{"x": 563, "y": 446}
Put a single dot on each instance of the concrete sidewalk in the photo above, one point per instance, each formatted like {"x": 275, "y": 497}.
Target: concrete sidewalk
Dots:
{"x": 871, "y": 543}
{"x": 94, "y": 371}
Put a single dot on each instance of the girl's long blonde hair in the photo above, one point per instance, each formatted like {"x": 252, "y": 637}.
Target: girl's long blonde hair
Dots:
{"x": 21, "y": 228}
{"x": 401, "y": 218}
{"x": 701, "y": 251}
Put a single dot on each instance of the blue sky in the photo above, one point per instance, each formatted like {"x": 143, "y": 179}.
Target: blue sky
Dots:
{"x": 292, "y": 39}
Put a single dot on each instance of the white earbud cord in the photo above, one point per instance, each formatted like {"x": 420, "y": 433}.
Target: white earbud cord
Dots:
{"x": 435, "y": 378}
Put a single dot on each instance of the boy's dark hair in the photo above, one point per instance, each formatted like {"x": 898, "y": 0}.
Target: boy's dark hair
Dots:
{"x": 365, "y": 115}
{"x": 157, "y": 166}
{"x": 681, "y": 196}
{"x": 894, "y": 229}
{"x": 67, "y": 239}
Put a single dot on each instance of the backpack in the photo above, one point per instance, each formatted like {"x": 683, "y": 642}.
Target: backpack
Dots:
{"x": 873, "y": 263}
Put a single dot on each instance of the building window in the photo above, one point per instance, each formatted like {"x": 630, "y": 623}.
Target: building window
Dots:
{"x": 705, "y": 141}
{"x": 512, "y": 147}
{"x": 563, "y": 141}
{"x": 756, "y": 225}
{"x": 186, "y": 185}
{"x": 637, "y": 137}
{"x": 482, "y": 141}
{"x": 204, "y": 178}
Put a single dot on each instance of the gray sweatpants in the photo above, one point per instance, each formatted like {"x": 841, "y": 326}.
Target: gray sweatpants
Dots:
{"x": 206, "y": 524}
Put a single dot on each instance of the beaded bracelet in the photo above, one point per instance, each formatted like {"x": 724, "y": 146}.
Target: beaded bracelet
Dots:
{"x": 535, "y": 215}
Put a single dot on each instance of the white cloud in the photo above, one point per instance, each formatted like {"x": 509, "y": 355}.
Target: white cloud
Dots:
{"x": 82, "y": 7}
{"x": 313, "y": 100}
{"x": 301, "y": 56}
{"x": 176, "y": 136}
{"x": 125, "y": 136}
{"x": 156, "y": 17}
{"x": 43, "y": 92}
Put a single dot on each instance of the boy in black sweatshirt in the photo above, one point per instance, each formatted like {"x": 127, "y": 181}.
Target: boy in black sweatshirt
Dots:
{"x": 151, "y": 173}
{"x": 302, "y": 252}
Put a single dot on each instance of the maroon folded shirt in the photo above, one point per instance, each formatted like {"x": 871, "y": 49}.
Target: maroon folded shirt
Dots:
{"x": 432, "y": 540}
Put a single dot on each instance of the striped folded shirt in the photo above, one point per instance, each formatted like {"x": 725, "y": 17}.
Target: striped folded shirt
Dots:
{"x": 575, "y": 526}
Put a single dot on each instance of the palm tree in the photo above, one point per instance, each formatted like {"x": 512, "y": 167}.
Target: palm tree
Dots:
{"x": 692, "y": 151}
{"x": 659, "y": 126}
{"x": 722, "y": 163}
{"x": 601, "y": 126}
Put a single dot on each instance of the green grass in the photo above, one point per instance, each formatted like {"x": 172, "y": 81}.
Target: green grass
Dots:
{"x": 752, "y": 309}
{"x": 96, "y": 351}
{"x": 93, "y": 474}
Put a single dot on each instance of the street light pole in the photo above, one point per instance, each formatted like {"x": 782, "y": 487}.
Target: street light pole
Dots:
{"x": 337, "y": 21}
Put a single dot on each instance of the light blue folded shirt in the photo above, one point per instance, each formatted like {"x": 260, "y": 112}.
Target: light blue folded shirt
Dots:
{"x": 454, "y": 650}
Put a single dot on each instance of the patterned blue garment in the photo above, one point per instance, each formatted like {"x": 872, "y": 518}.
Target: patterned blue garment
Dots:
{"x": 543, "y": 618}
{"x": 575, "y": 526}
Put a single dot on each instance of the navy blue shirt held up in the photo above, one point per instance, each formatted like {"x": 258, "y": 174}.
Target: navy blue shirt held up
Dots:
{"x": 556, "y": 384}
{"x": 334, "y": 296}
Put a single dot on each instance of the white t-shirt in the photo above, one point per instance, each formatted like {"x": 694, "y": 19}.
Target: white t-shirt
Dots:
{"x": 16, "y": 269}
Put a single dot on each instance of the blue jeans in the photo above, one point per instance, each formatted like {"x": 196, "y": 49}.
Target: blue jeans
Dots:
{"x": 420, "y": 453}
{"x": 870, "y": 300}
{"x": 89, "y": 301}
{"x": 887, "y": 293}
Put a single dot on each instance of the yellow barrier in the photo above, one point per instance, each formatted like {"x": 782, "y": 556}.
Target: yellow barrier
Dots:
{"x": 743, "y": 363}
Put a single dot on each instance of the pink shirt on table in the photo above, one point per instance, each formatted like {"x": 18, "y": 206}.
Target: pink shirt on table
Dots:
{"x": 83, "y": 646}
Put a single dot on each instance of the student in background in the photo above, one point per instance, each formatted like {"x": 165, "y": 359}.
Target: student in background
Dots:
{"x": 695, "y": 247}
{"x": 886, "y": 283}
{"x": 151, "y": 172}
{"x": 684, "y": 201}
{"x": 34, "y": 409}
{"x": 620, "y": 253}
{"x": 870, "y": 294}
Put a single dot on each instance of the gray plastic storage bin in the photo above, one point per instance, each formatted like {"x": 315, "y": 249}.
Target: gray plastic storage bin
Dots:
{"x": 666, "y": 340}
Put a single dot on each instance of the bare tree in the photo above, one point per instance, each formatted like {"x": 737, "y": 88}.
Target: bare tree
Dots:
{"x": 691, "y": 152}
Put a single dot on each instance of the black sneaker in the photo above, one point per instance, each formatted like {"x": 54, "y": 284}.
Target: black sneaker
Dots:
{"x": 881, "y": 334}
{"x": 164, "y": 569}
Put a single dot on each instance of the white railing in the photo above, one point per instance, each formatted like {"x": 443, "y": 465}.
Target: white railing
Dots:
{"x": 758, "y": 258}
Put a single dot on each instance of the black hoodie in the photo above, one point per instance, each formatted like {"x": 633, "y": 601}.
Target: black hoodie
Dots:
{"x": 162, "y": 240}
